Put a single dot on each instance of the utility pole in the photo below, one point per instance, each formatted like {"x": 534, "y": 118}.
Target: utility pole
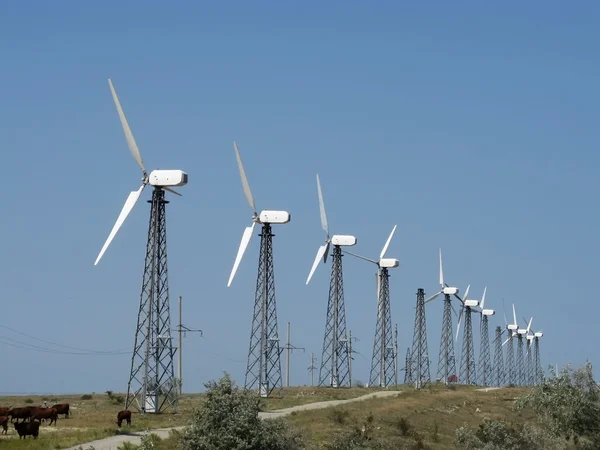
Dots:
{"x": 312, "y": 369}
{"x": 181, "y": 329}
{"x": 350, "y": 357}
{"x": 289, "y": 347}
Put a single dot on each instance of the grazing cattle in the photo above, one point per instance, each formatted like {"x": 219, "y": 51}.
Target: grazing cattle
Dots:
{"x": 27, "y": 429}
{"x": 62, "y": 408}
{"x": 124, "y": 415}
{"x": 20, "y": 413}
{"x": 4, "y": 410}
{"x": 4, "y": 424}
{"x": 44, "y": 413}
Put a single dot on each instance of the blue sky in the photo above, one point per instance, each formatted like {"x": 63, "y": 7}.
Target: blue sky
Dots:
{"x": 472, "y": 127}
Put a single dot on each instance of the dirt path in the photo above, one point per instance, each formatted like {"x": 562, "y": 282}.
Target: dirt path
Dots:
{"x": 111, "y": 443}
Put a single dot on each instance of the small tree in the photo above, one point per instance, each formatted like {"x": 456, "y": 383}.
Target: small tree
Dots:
{"x": 229, "y": 420}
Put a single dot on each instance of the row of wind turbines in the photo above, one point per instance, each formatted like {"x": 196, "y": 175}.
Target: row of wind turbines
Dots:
{"x": 152, "y": 385}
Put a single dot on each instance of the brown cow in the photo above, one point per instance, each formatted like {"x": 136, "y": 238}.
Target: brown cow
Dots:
{"x": 19, "y": 413}
{"x": 27, "y": 428}
{"x": 4, "y": 410}
{"x": 44, "y": 413}
{"x": 4, "y": 423}
{"x": 62, "y": 408}
{"x": 124, "y": 415}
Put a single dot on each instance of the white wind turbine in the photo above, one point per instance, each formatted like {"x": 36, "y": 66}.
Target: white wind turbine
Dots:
{"x": 485, "y": 359}
{"x": 511, "y": 329}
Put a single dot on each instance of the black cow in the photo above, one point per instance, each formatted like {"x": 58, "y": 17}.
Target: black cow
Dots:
{"x": 27, "y": 429}
{"x": 19, "y": 413}
{"x": 124, "y": 415}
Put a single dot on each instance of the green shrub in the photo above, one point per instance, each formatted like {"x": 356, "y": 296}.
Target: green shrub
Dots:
{"x": 86, "y": 397}
{"x": 339, "y": 416}
{"x": 28, "y": 401}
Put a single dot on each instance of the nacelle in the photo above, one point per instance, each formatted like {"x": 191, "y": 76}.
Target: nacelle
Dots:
{"x": 274, "y": 217}
{"x": 530, "y": 338}
{"x": 386, "y": 263}
{"x": 522, "y": 331}
{"x": 539, "y": 334}
{"x": 513, "y": 327}
{"x": 471, "y": 303}
{"x": 488, "y": 312}
{"x": 343, "y": 240}
{"x": 167, "y": 178}
{"x": 450, "y": 291}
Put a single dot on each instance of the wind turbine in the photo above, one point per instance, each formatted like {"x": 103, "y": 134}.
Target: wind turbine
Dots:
{"x": 485, "y": 360}
{"x": 263, "y": 371}
{"x": 446, "y": 361}
{"x": 467, "y": 361}
{"x": 151, "y": 381}
{"x": 382, "y": 363}
{"x": 335, "y": 360}
{"x": 511, "y": 330}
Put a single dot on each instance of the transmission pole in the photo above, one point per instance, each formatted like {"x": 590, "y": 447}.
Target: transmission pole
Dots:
{"x": 420, "y": 355}
{"x": 312, "y": 368}
{"x": 485, "y": 359}
{"x": 182, "y": 329}
{"x": 446, "y": 362}
{"x": 289, "y": 347}
{"x": 335, "y": 359}
{"x": 498, "y": 359}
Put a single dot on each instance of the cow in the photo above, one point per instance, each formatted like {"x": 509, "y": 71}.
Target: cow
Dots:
{"x": 124, "y": 415}
{"x": 44, "y": 413}
{"x": 62, "y": 408}
{"x": 4, "y": 410}
{"x": 4, "y": 424}
{"x": 19, "y": 413}
{"x": 27, "y": 429}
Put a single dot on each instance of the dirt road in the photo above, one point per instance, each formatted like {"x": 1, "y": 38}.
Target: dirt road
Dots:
{"x": 111, "y": 443}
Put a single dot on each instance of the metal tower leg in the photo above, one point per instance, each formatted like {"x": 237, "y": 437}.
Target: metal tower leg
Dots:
{"x": 510, "y": 361}
{"x": 335, "y": 369}
{"x": 408, "y": 366}
{"x": 382, "y": 362}
{"x": 485, "y": 359}
{"x": 446, "y": 363}
{"x": 520, "y": 362}
{"x": 529, "y": 364}
{"x": 264, "y": 365}
{"x": 499, "y": 373}
{"x": 467, "y": 359}
{"x": 420, "y": 354}
{"x": 152, "y": 387}
{"x": 538, "y": 364}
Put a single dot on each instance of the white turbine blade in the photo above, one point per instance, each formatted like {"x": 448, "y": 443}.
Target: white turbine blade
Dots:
{"x": 458, "y": 327}
{"x": 385, "y": 247}
{"x": 322, "y": 208}
{"x": 464, "y": 299}
{"x": 133, "y": 148}
{"x": 378, "y": 275}
{"x": 320, "y": 253}
{"x": 172, "y": 191}
{"x": 243, "y": 245}
{"x": 483, "y": 298}
{"x": 508, "y": 339}
{"x": 441, "y": 271}
{"x": 514, "y": 315}
{"x": 529, "y": 326}
{"x": 245, "y": 184}
{"x": 432, "y": 297}
{"x": 127, "y": 207}
{"x": 326, "y": 252}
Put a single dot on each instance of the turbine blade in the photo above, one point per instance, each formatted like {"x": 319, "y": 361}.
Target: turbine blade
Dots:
{"x": 326, "y": 252}
{"x": 464, "y": 299}
{"x": 387, "y": 243}
{"x": 320, "y": 252}
{"x": 529, "y": 326}
{"x": 441, "y": 270}
{"x": 127, "y": 207}
{"x": 133, "y": 148}
{"x": 243, "y": 245}
{"x": 483, "y": 297}
{"x": 514, "y": 315}
{"x": 322, "y": 208}
{"x": 378, "y": 275}
{"x": 508, "y": 339}
{"x": 432, "y": 297}
{"x": 245, "y": 184}
{"x": 458, "y": 327}
{"x": 172, "y": 191}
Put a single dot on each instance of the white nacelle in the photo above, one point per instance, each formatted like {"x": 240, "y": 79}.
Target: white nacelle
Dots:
{"x": 386, "y": 263}
{"x": 450, "y": 291}
{"x": 539, "y": 334}
{"x": 530, "y": 338}
{"x": 488, "y": 312}
{"x": 522, "y": 331}
{"x": 513, "y": 327}
{"x": 167, "y": 178}
{"x": 274, "y": 217}
{"x": 471, "y": 303}
{"x": 343, "y": 240}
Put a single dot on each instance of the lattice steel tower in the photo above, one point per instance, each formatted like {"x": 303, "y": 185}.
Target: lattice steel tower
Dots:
{"x": 420, "y": 354}
{"x": 468, "y": 373}
{"x": 538, "y": 365}
{"x": 485, "y": 359}
{"x": 263, "y": 370}
{"x": 152, "y": 386}
{"x": 529, "y": 373}
{"x": 408, "y": 366}
{"x": 510, "y": 361}
{"x": 335, "y": 359}
{"x": 499, "y": 373}
{"x": 520, "y": 362}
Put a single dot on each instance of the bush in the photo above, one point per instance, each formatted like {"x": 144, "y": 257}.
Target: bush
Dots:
{"x": 228, "y": 419}
{"x": 403, "y": 425}
{"x": 339, "y": 416}
{"x": 86, "y": 397}
{"x": 28, "y": 401}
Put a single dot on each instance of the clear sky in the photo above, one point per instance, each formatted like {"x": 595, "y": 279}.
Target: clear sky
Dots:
{"x": 472, "y": 127}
